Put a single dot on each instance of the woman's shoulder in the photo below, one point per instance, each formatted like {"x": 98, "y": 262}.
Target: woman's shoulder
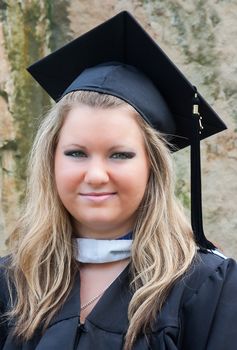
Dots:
{"x": 210, "y": 259}
{"x": 4, "y": 291}
{"x": 209, "y": 275}
{"x": 209, "y": 267}
{"x": 208, "y": 310}
{"x": 4, "y": 298}
{"x": 4, "y": 261}
{"x": 208, "y": 262}
{"x": 4, "y": 264}
{"x": 198, "y": 301}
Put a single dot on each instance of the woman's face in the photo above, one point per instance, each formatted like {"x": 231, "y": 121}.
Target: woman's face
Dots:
{"x": 101, "y": 170}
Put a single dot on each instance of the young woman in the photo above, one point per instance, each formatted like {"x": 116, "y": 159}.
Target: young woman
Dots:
{"x": 103, "y": 256}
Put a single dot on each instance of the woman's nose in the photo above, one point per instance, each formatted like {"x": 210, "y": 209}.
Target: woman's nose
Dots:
{"x": 96, "y": 173}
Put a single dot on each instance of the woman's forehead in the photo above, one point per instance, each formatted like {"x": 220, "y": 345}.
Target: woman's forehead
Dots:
{"x": 92, "y": 123}
{"x": 88, "y": 116}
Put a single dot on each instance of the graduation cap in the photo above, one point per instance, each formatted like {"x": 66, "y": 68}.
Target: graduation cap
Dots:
{"x": 119, "y": 58}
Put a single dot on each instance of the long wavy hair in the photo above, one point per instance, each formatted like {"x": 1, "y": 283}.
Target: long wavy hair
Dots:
{"x": 42, "y": 267}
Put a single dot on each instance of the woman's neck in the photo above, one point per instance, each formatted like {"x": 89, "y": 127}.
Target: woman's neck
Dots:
{"x": 106, "y": 231}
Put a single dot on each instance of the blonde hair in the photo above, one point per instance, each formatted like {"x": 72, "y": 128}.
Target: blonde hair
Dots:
{"x": 42, "y": 265}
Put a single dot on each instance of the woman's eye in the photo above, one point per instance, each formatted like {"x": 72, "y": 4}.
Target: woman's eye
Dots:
{"x": 75, "y": 154}
{"x": 123, "y": 155}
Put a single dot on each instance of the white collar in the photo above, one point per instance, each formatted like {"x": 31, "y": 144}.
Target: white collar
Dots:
{"x": 101, "y": 251}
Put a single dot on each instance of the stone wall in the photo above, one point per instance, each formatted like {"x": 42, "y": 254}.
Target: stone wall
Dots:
{"x": 199, "y": 36}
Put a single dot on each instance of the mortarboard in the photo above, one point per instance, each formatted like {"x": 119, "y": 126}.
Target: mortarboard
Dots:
{"x": 119, "y": 58}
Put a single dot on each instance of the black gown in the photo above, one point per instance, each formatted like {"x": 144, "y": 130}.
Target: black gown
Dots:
{"x": 200, "y": 313}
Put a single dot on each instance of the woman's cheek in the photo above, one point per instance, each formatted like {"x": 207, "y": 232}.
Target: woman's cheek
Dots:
{"x": 68, "y": 177}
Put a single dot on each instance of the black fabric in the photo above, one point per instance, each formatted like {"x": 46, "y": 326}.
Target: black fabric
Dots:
{"x": 129, "y": 84}
{"x": 122, "y": 39}
{"x": 200, "y": 314}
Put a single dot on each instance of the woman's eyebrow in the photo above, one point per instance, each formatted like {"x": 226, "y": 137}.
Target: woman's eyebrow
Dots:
{"x": 119, "y": 146}
{"x": 74, "y": 145}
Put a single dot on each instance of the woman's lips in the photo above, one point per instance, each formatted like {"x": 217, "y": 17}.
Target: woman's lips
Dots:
{"x": 98, "y": 197}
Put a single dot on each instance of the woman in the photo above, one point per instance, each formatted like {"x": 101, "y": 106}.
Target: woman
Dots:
{"x": 99, "y": 175}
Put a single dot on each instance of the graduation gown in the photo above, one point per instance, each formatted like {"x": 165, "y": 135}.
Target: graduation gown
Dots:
{"x": 200, "y": 313}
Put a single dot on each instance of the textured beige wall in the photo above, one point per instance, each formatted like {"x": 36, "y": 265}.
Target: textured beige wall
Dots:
{"x": 201, "y": 38}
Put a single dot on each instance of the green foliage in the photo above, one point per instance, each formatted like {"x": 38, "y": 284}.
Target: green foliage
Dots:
{"x": 183, "y": 193}
{"x": 59, "y": 24}
{"x": 4, "y": 94}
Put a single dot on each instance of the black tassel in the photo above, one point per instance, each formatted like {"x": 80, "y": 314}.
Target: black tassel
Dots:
{"x": 196, "y": 187}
